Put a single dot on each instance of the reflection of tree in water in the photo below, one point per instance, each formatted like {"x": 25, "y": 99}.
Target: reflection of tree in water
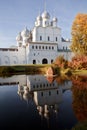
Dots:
{"x": 59, "y": 79}
{"x": 50, "y": 79}
{"x": 80, "y": 126}
{"x": 79, "y": 90}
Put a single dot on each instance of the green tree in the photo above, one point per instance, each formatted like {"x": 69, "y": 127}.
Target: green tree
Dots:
{"x": 79, "y": 34}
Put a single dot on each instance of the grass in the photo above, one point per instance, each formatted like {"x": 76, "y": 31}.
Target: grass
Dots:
{"x": 27, "y": 69}
{"x": 36, "y": 69}
{"x": 79, "y": 72}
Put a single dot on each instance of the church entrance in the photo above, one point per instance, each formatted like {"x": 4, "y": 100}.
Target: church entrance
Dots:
{"x": 44, "y": 61}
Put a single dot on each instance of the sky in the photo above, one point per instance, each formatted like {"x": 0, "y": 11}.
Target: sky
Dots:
{"x": 15, "y": 15}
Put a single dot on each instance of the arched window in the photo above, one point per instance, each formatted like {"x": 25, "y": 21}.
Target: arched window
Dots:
{"x": 7, "y": 60}
{"x": 44, "y": 61}
{"x": 15, "y": 60}
{"x": 34, "y": 61}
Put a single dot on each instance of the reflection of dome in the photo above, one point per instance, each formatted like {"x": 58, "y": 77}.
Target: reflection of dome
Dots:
{"x": 39, "y": 17}
{"x": 55, "y": 19}
{"x": 25, "y": 32}
{"x": 19, "y": 37}
{"x": 26, "y": 96}
{"x": 20, "y": 93}
{"x": 45, "y": 15}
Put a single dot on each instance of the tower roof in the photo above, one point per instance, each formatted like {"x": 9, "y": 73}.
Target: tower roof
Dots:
{"x": 46, "y": 15}
{"x": 25, "y": 32}
{"x": 55, "y": 19}
{"x": 19, "y": 37}
{"x": 39, "y": 17}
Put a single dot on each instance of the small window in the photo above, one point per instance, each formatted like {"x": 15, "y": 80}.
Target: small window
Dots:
{"x": 56, "y": 38}
{"x": 46, "y": 47}
{"x": 41, "y": 93}
{"x": 43, "y": 85}
{"x": 34, "y": 61}
{"x": 52, "y": 61}
{"x": 43, "y": 47}
{"x": 39, "y": 47}
{"x": 40, "y": 38}
{"x": 49, "y": 47}
{"x": 36, "y": 47}
{"x": 57, "y": 91}
{"x": 49, "y": 93}
{"x": 33, "y": 86}
{"x": 40, "y": 85}
{"x": 48, "y": 38}
{"x": 52, "y": 47}
{"x": 32, "y": 47}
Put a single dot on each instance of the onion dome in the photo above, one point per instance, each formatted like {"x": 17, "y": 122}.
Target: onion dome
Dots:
{"x": 46, "y": 15}
{"x": 55, "y": 19}
{"x": 25, "y": 32}
{"x": 39, "y": 17}
{"x": 19, "y": 37}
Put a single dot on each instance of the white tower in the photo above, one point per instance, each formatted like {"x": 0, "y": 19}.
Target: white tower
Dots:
{"x": 19, "y": 39}
{"x": 39, "y": 20}
{"x": 54, "y": 22}
{"x": 45, "y": 18}
{"x": 25, "y": 35}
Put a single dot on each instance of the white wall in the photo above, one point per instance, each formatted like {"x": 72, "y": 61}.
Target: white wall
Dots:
{"x": 50, "y": 31}
{"x": 41, "y": 53}
{"x": 10, "y": 56}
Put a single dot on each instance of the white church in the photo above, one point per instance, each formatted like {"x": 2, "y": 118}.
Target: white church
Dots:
{"x": 41, "y": 45}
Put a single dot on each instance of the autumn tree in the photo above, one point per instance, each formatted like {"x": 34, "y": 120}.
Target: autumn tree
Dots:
{"x": 79, "y": 34}
{"x": 61, "y": 62}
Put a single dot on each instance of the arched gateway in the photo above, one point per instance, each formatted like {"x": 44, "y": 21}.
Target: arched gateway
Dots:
{"x": 44, "y": 61}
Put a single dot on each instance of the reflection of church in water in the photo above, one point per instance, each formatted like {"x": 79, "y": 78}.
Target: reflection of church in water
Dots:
{"x": 47, "y": 94}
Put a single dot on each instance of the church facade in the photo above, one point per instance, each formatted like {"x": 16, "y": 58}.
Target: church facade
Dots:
{"x": 41, "y": 45}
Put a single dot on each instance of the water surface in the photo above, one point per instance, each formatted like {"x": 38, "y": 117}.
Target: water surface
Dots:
{"x": 36, "y": 101}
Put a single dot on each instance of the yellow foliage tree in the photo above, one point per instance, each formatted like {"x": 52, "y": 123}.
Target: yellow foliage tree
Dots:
{"x": 79, "y": 34}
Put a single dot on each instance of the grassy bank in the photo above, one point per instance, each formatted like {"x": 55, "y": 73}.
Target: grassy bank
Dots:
{"x": 20, "y": 69}
{"x": 79, "y": 72}
{"x": 37, "y": 69}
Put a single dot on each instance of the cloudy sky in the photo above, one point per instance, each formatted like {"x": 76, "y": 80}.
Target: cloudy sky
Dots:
{"x": 15, "y": 15}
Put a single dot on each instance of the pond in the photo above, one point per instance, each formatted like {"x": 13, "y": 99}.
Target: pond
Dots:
{"x": 37, "y": 101}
